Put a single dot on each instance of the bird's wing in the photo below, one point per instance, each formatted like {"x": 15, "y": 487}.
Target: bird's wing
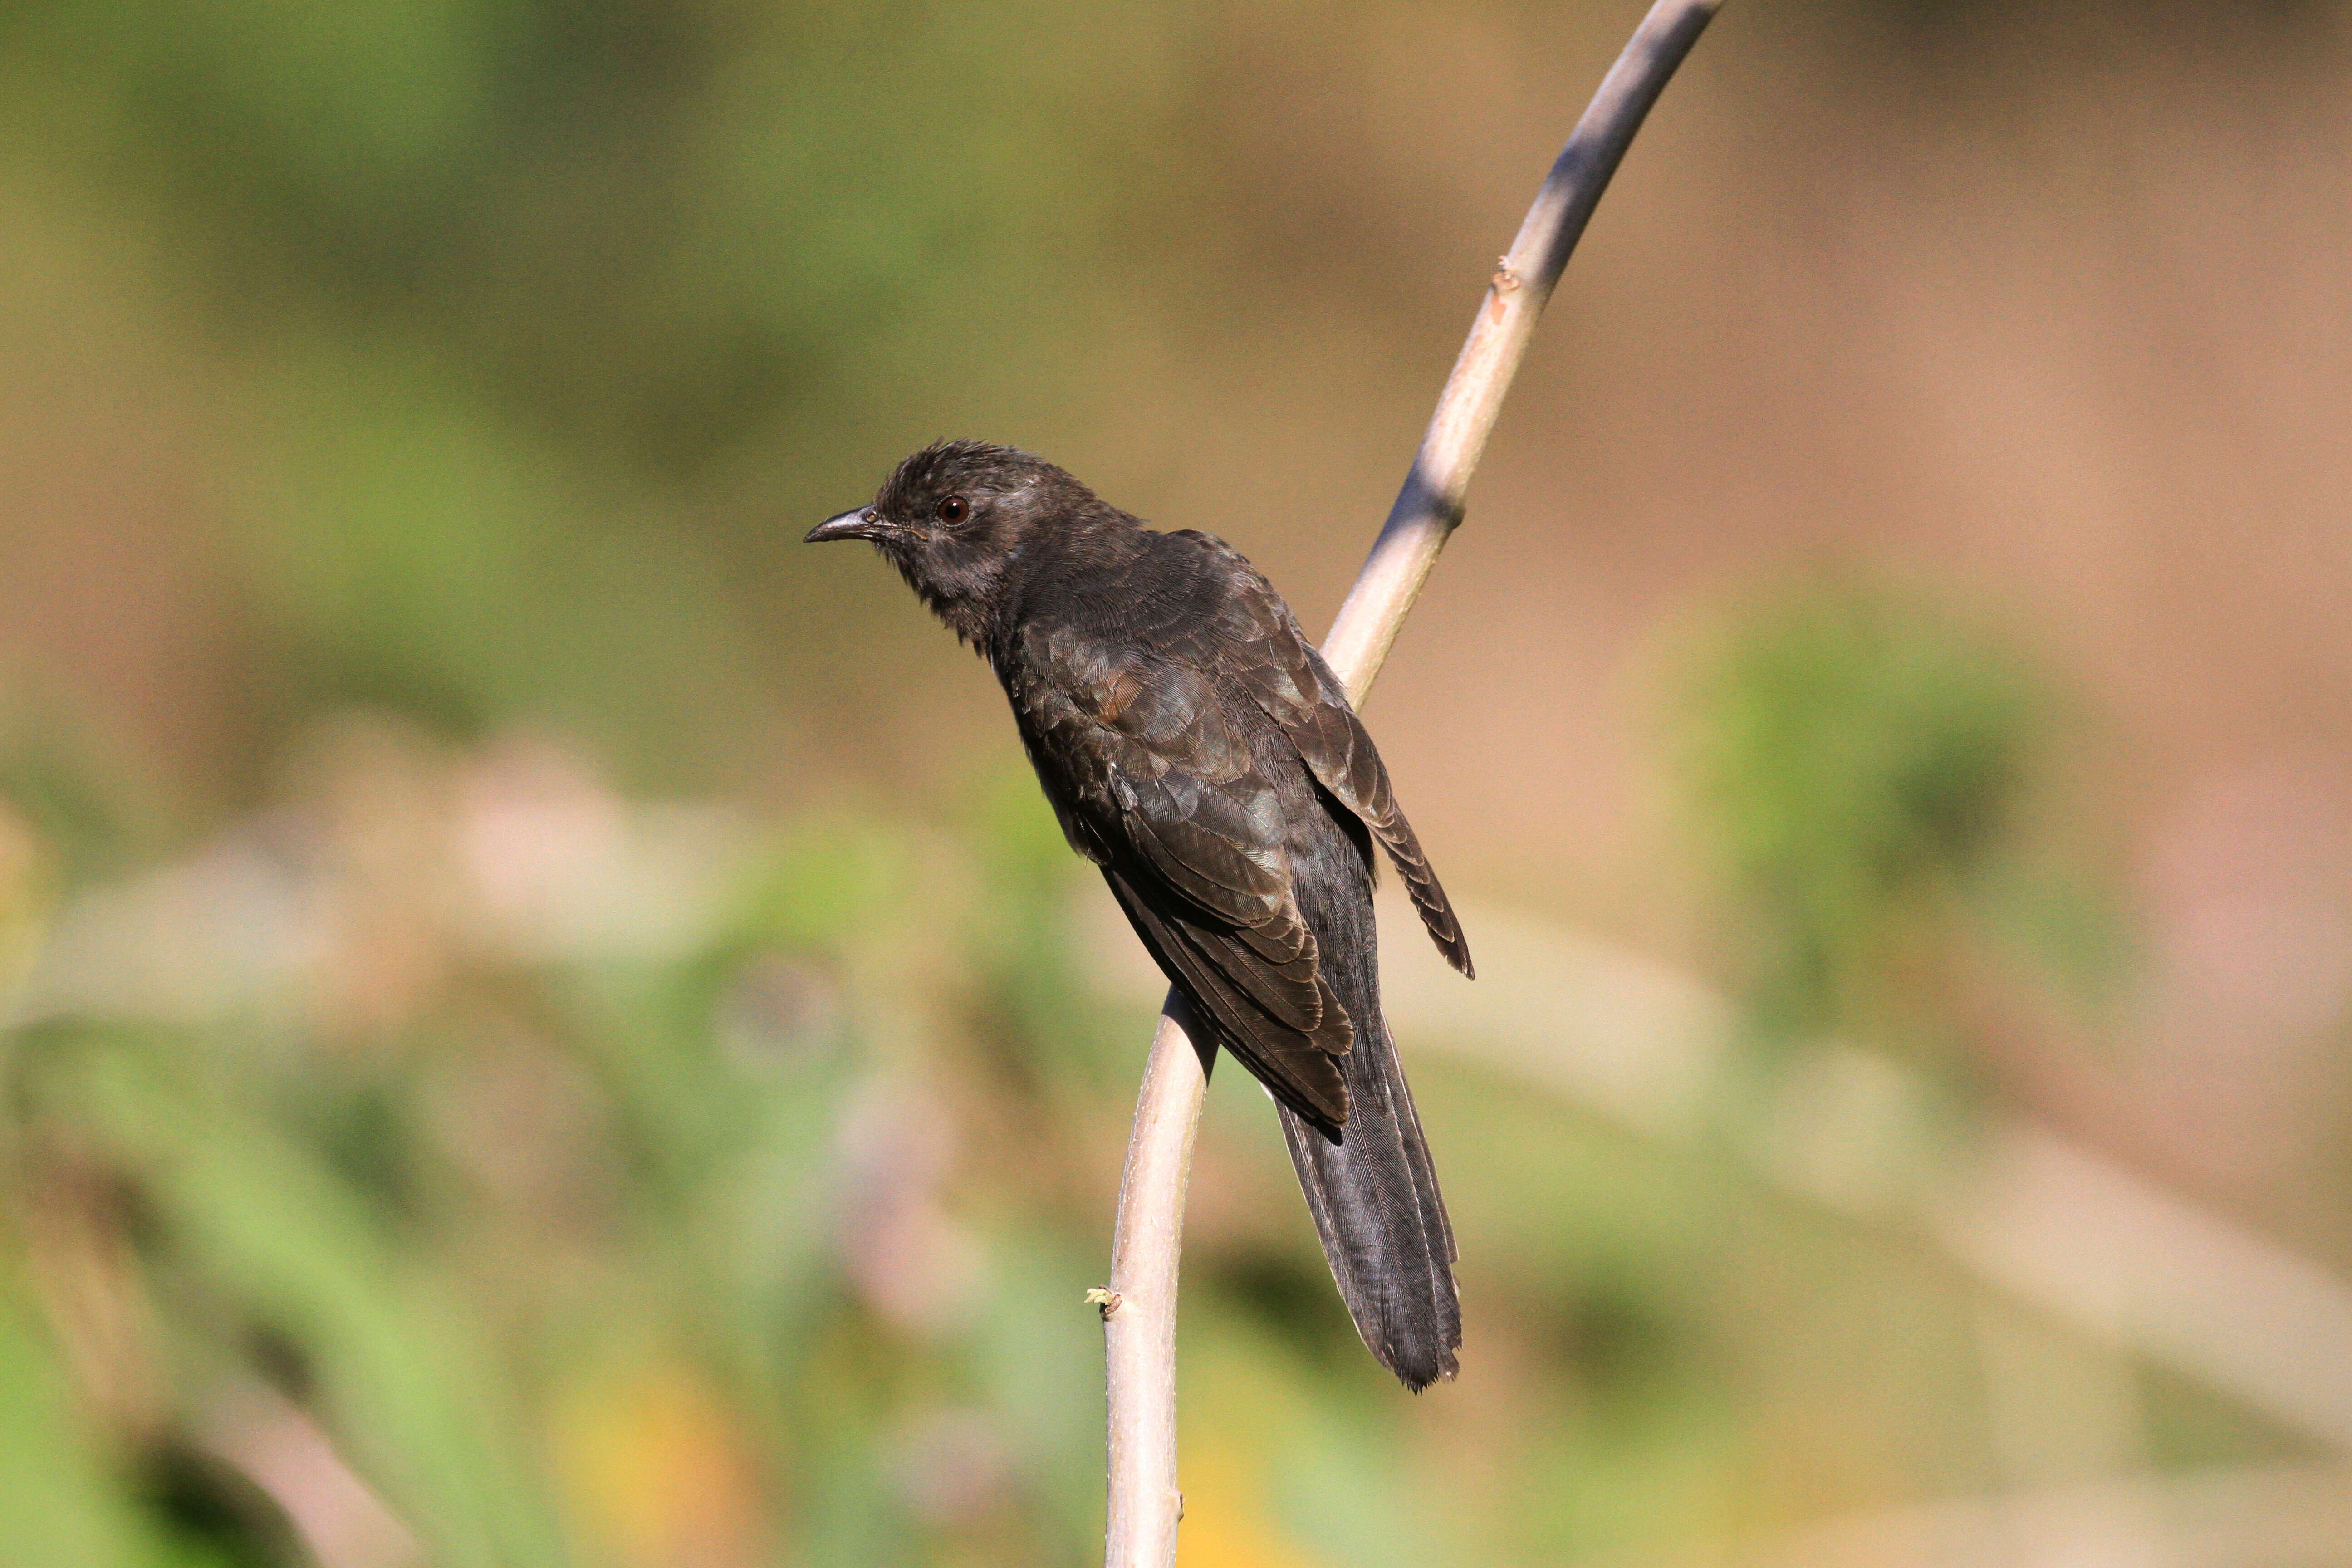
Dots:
{"x": 1258, "y": 643}
{"x": 1159, "y": 787}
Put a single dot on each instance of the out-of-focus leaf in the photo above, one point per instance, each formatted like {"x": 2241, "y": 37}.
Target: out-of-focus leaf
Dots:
{"x": 1857, "y": 763}
{"x": 59, "y": 1503}
{"x": 401, "y": 1368}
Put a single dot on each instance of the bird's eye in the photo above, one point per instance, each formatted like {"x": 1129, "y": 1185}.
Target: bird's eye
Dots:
{"x": 953, "y": 510}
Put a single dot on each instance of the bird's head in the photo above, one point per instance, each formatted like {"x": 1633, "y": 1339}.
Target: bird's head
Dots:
{"x": 960, "y": 518}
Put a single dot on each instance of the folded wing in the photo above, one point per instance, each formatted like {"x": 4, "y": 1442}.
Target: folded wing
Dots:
{"x": 1165, "y": 795}
{"x": 1266, "y": 652}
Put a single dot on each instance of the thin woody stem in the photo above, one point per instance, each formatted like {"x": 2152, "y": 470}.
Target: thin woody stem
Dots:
{"x": 1138, "y": 1307}
{"x": 1430, "y": 506}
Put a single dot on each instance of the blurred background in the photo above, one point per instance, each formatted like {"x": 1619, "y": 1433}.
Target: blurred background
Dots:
{"x": 542, "y": 1024}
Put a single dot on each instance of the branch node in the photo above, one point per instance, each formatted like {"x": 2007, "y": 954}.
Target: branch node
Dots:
{"x": 1105, "y": 1300}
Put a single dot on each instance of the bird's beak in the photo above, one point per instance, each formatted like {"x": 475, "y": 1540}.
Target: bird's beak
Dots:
{"x": 863, "y": 523}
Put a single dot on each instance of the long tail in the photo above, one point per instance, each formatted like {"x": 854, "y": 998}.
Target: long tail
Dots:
{"x": 1374, "y": 1194}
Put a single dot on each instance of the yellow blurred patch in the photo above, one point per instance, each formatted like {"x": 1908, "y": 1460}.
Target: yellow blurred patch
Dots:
{"x": 1227, "y": 1522}
{"x": 658, "y": 1474}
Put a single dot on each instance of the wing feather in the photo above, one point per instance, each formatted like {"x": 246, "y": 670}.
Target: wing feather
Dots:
{"x": 1161, "y": 788}
{"x": 1300, "y": 1068}
{"x": 1283, "y": 674}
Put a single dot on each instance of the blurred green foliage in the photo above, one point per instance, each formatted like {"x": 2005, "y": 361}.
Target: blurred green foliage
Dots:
{"x": 1873, "y": 774}
{"x": 622, "y": 222}
{"x": 528, "y": 319}
{"x": 460, "y": 1161}
{"x": 594, "y": 1242}
{"x": 1861, "y": 769}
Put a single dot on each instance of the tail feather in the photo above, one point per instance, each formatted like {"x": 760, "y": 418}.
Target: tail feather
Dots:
{"x": 1374, "y": 1194}
{"x": 1346, "y": 1113}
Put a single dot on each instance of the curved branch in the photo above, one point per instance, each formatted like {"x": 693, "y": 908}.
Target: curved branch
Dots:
{"x": 1138, "y": 1307}
{"x": 1430, "y": 506}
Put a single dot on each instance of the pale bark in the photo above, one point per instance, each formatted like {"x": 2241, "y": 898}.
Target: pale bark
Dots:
{"x": 1138, "y": 1307}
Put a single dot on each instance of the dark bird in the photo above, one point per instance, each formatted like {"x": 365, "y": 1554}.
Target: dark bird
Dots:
{"x": 1197, "y": 748}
